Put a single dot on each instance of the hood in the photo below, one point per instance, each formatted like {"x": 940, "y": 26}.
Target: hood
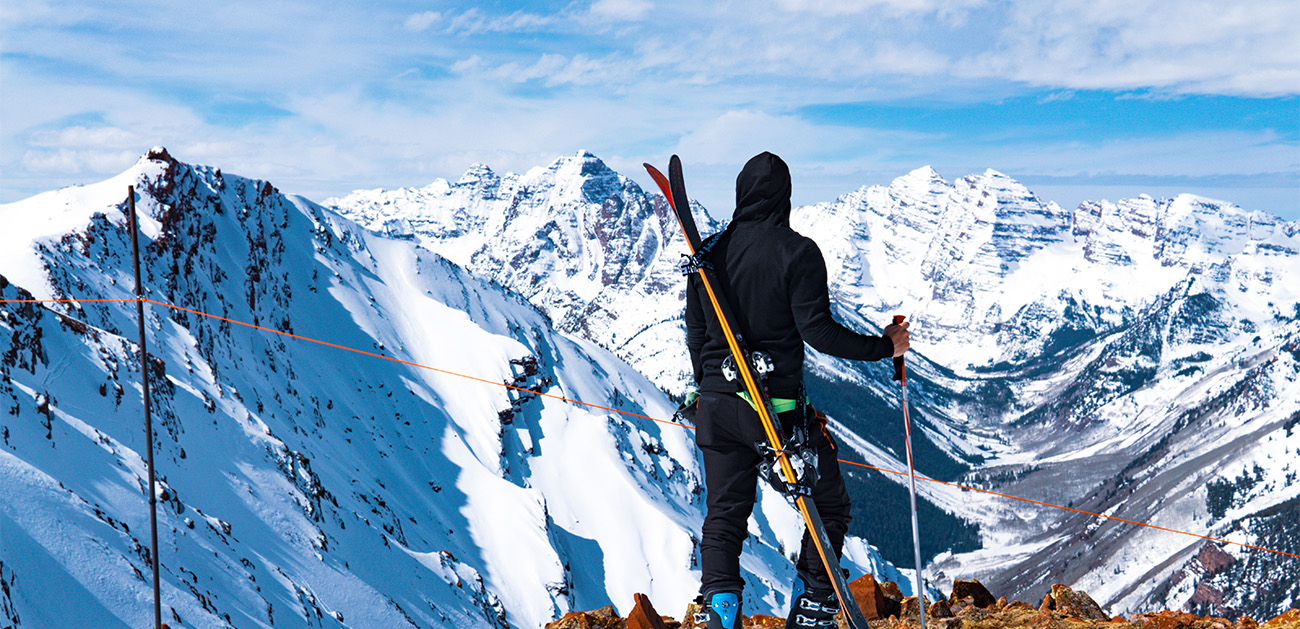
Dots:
{"x": 763, "y": 191}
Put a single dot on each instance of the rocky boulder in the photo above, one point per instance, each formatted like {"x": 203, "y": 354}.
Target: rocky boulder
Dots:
{"x": 974, "y": 590}
{"x": 873, "y": 599}
{"x": 1073, "y": 604}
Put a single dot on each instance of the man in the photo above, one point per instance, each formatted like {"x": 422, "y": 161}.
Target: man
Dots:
{"x": 775, "y": 279}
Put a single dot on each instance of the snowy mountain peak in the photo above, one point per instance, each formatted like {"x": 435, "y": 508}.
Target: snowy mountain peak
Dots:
{"x": 583, "y": 175}
{"x": 35, "y": 222}
{"x": 159, "y": 154}
{"x": 583, "y": 156}
{"x": 924, "y": 173}
{"x": 1013, "y": 199}
{"x": 477, "y": 172}
{"x": 924, "y": 181}
{"x": 580, "y": 164}
{"x": 1184, "y": 231}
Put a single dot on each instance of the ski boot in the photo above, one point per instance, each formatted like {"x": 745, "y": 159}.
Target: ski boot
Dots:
{"x": 721, "y": 611}
{"x": 815, "y": 608}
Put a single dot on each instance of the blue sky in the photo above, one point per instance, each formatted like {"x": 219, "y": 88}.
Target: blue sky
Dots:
{"x": 1078, "y": 99}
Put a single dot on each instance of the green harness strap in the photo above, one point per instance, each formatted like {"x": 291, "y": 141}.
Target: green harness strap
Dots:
{"x": 779, "y": 404}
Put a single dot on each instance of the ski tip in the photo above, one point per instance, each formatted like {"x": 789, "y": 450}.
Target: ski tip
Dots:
{"x": 898, "y": 319}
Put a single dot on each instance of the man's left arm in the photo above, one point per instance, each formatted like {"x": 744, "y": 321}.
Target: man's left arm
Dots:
{"x": 810, "y": 303}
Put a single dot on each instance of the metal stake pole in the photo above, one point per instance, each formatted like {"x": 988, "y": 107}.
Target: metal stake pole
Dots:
{"x": 148, "y": 418}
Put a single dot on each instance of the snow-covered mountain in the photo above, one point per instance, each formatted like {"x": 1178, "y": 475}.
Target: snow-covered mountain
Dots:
{"x": 1135, "y": 358}
{"x": 303, "y": 485}
{"x": 581, "y": 242}
{"x": 995, "y": 275}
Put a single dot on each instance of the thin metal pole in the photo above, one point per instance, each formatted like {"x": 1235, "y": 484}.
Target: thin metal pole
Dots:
{"x": 901, "y": 375}
{"x": 916, "y": 532}
{"x": 148, "y": 418}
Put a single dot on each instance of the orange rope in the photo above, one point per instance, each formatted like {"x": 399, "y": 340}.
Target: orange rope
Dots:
{"x": 614, "y": 410}
{"x": 407, "y": 362}
{"x": 63, "y": 301}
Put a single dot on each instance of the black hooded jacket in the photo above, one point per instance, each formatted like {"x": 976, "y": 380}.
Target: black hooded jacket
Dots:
{"x": 775, "y": 280}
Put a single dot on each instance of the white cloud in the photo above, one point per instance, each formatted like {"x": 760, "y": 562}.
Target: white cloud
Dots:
{"x": 476, "y": 22}
{"x": 895, "y": 7}
{"x": 65, "y": 161}
{"x": 1186, "y": 154}
{"x": 550, "y": 69}
{"x": 1196, "y": 46}
{"x": 421, "y": 21}
{"x": 629, "y": 10}
{"x": 910, "y": 58}
{"x": 469, "y": 65}
{"x": 83, "y": 136}
{"x": 1244, "y": 48}
{"x": 737, "y": 135}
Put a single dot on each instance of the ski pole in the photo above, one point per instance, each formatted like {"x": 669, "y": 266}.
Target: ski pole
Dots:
{"x": 900, "y": 374}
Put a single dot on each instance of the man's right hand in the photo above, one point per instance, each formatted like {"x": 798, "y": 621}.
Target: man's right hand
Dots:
{"x": 686, "y": 412}
{"x": 897, "y": 332}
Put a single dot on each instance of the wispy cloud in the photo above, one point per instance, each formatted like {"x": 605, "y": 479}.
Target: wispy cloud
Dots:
{"x": 894, "y": 8}
{"x": 476, "y": 22}
{"x": 621, "y": 9}
{"x": 551, "y": 69}
{"x": 1246, "y": 48}
{"x": 422, "y": 20}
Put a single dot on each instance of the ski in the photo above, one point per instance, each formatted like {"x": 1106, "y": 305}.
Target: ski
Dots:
{"x": 674, "y": 189}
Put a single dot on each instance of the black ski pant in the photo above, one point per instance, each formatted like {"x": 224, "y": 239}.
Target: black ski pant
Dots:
{"x": 727, "y": 430}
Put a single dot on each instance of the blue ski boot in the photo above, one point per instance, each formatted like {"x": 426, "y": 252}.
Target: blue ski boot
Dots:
{"x": 723, "y": 610}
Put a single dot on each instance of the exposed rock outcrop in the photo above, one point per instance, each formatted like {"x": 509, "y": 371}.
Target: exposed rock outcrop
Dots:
{"x": 971, "y": 606}
{"x": 974, "y": 590}
{"x": 874, "y": 600}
